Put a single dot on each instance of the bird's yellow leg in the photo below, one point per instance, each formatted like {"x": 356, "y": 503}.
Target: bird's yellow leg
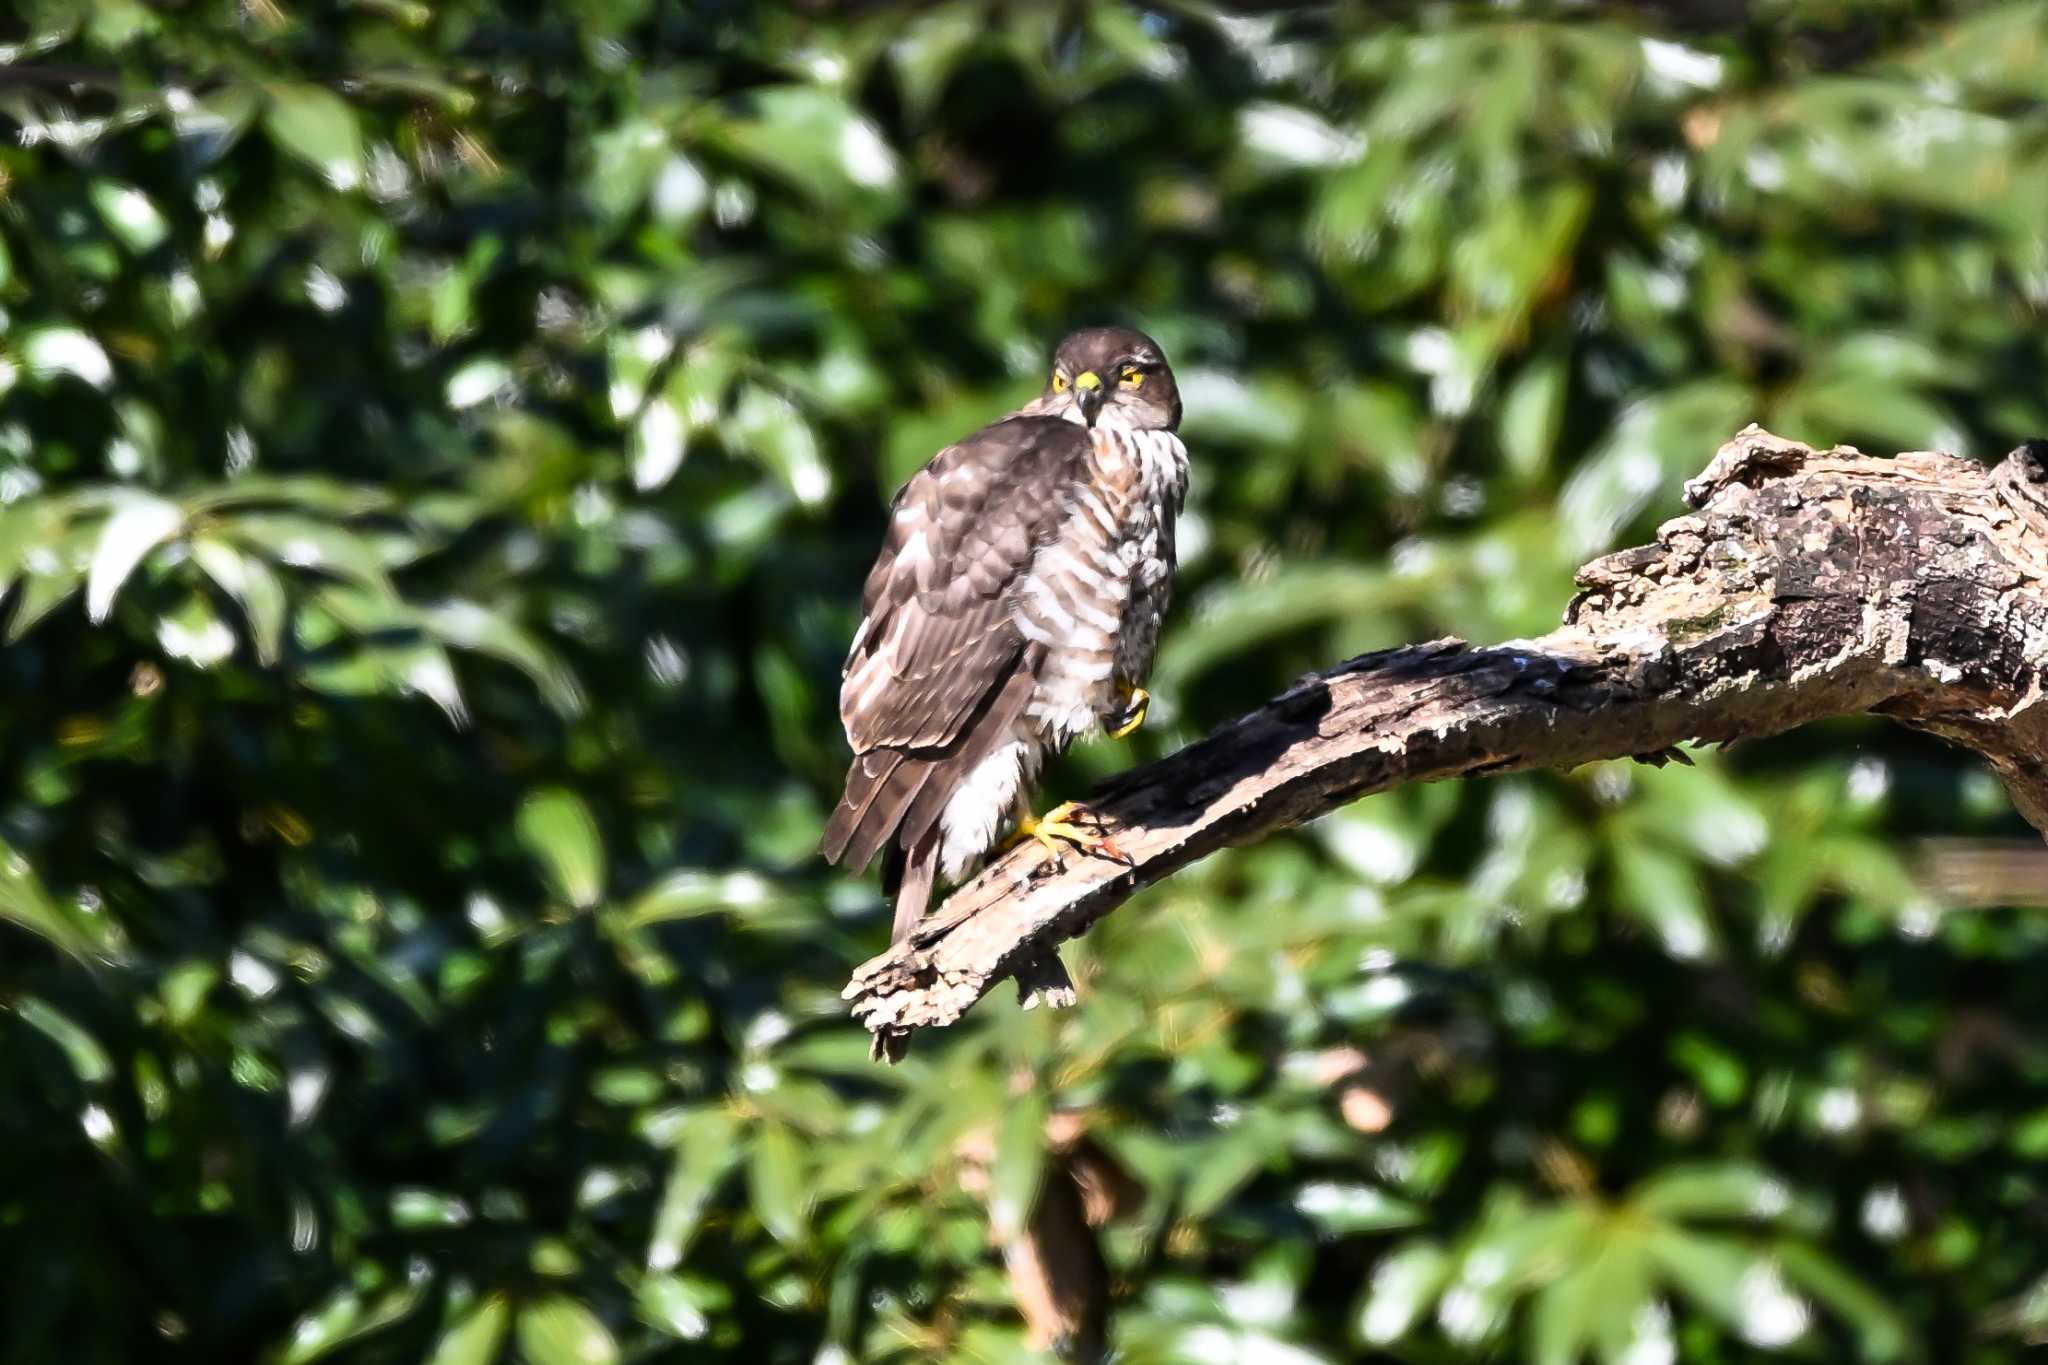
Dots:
{"x": 1070, "y": 822}
{"x": 1136, "y": 701}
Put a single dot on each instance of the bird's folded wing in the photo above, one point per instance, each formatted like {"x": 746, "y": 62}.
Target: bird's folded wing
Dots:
{"x": 937, "y": 637}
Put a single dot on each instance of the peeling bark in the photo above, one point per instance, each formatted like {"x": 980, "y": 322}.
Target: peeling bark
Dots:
{"x": 1804, "y": 584}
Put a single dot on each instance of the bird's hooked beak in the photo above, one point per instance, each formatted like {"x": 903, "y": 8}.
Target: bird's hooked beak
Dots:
{"x": 1088, "y": 395}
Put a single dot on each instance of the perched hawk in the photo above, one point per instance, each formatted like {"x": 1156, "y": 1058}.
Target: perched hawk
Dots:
{"x": 1015, "y": 605}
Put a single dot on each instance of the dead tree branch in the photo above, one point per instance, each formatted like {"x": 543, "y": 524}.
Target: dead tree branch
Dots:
{"x": 1804, "y": 584}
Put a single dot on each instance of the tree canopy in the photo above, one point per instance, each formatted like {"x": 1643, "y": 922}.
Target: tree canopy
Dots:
{"x": 440, "y": 445}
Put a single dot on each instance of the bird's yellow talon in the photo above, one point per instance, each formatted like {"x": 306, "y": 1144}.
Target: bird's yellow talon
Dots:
{"x": 1067, "y": 822}
{"x": 1136, "y": 702}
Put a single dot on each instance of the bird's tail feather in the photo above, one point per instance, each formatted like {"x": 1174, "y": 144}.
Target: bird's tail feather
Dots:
{"x": 898, "y": 795}
{"x": 868, "y": 811}
{"x": 880, "y": 788}
{"x": 919, "y": 869}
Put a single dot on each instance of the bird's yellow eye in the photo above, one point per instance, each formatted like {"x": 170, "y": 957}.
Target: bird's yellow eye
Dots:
{"x": 1132, "y": 377}
{"x": 1059, "y": 382}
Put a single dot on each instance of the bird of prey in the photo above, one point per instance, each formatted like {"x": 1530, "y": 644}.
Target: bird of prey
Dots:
{"x": 1015, "y": 606}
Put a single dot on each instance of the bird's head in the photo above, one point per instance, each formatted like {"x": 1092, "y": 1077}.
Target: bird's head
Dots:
{"x": 1112, "y": 376}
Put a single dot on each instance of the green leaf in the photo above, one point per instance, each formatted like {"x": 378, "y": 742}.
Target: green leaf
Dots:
{"x": 1720, "y": 1073}
{"x": 929, "y": 49}
{"x": 318, "y": 127}
{"x": 1722, "y": 1189}
{"x": 706, "y": 1147}
{"x": 624, "y": 163}
{"x": 560, "y": 832}
{"x": 139, "y": 523}
{"x": 674, "y": 1305}
{"x": 475, "y": 1337}
{"x": 129, "y": 215}
{"x": 324, "y": 1328}
{"x": 1666, "y": 892}
{"x": 1603, "y": 1300}
{"x": 1713, "y": 1271}
{"x": 1403, "y": 1285}
{"x": 51, "y": 572}
{"x": 1882, "y": 1332}
{"x": 478, "y": 629}
{"x": 194, "y": 632}
{"x": 89, "y": 1060}
{"x": 657, "y": 445}
{"x": 304, "y": 542}
{"x": 689, "y": 893}
{"x": 770, "y": 426}
{"x": 813, "y": 140}
{"x": 559, "y": 1330}
{"x": 215, "y": 123}
{"x": 253, "y": 585}
{"x": 775, "y": 1180}
{"x": 300, "y": 493}
{"x": 1562, "y": 1322}
{"x": 1531, "y": 415}
{"x": 52, "y": 351}
{"x": 343, "y": 1318}
{"x": 1222, "y": 1167}
{"x": 1342, "y": 1208}
{"x": 1019, "y": 1163}
{"x": 184, "y": 989}
{"x": 24, "y": 902}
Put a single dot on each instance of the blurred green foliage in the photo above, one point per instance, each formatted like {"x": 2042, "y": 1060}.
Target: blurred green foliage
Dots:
{"x": 439, "y": 448}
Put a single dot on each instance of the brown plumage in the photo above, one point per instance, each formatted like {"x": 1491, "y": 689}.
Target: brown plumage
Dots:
{"x": 1019, "y": 586}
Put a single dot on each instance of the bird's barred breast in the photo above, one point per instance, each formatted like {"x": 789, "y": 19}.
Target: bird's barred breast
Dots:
{"x": 1095, "y": 596}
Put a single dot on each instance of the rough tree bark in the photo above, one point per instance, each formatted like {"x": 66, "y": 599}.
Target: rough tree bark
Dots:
{"x": 1805, "y": 584}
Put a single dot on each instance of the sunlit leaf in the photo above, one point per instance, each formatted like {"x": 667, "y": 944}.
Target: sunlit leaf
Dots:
{"x": 324, "y": 1328}
{"x": 625, "y": 161}
{"x": 706, "y": 1147}
{"x": 558, "y": 1330}
{"x": 667, "y": 1302}
{"x": 1531, "y": 415}
{"x": 297, "y": 492}
{"x": 1222, "y": 1167}
{"x": 346, "y": 1318}
{"x": 53, "y": 351}
{"x": 474, "y": 1338}
{"x": 1665, "y": 892}
{"x": 303, "y": 542}
{"x": 466, "y": 625}
{"x": 928, "y": 50}
{"x": 1019, "y": 1164}
{"x": 139, "y": 523}
{"x": 689, "y": 893}
{"x": 1883, "y": 1333}
{"x": 130, "y": 215}
{"x": 562, "y": 835}
{"x": 1717, "y": 1190}
{"x": 194, "y": 632}
{"x": 319, "y": 128}
{"x": 1402, "y": 1287}
{"x": 24, "y": 902}
{"x": 88, "y": 1058}
{"x": 814, "y": 141}
{"x": 775, "y": 1179}
{"x": 1348, "y": 1208}
{"x": 771, "y": 428}
{"x": 253, "y": 585}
